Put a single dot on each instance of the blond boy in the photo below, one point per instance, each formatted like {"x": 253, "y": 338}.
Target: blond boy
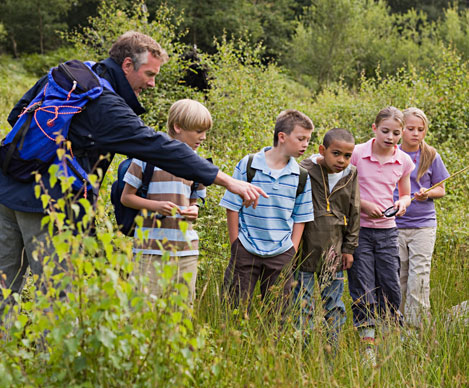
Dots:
{"x": 170, "y": 200}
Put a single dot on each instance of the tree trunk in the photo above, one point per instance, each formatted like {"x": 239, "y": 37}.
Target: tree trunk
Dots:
{"x": 14, "y": 46}
{"x": 41, "y": 30}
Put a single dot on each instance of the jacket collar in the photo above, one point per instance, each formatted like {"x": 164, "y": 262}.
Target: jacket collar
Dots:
{"x": 345, "y": 172}
{"x": 114, "y": 74}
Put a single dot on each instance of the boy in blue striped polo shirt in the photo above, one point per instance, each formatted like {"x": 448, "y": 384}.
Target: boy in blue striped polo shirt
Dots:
{"x": 265, "y": 239}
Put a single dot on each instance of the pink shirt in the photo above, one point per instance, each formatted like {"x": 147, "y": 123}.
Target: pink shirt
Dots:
{"x": 377, "y": 181}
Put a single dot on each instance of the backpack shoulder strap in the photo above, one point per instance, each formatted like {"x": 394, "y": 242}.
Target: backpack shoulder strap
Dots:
{"x": 250, "y": 172}
{"x": 302, "y": 181}
{"x": 194, "y": 187}
{"x": 21, "y": 134}
{"x": 146, "y": 179}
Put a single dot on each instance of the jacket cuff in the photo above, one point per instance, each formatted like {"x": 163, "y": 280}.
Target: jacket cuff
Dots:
{"x": 348, "y": 250}
{"x": 211, "y": 174}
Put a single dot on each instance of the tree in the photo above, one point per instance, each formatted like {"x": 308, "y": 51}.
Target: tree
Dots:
{"x": 348, "y": 38}
{"x": 32, "y": 25}
{"x": 324, "y": 47}
{"x": 433, "y": 8}
{"x": 454, "y": 30}
{"x": 269, "y": 22}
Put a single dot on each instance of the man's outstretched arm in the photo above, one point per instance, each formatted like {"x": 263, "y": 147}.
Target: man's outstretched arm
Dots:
{"x": 248, "y": 192}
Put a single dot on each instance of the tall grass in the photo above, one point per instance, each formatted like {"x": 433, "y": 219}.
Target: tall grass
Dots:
{"x": 260, "y": 349}
{"x": 14, "y": 81}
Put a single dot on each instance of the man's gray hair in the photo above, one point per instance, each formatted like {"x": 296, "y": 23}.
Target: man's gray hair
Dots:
{"x": 136, "y": 46}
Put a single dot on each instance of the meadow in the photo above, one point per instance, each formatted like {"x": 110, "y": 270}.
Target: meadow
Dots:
{"x": 109, "y": 333}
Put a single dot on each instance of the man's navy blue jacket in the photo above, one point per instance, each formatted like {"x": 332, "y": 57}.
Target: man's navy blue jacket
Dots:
{"x": 109, "y": 125}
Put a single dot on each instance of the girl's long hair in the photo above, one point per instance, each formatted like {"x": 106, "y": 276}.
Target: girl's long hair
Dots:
{"x": 427, "y": 153}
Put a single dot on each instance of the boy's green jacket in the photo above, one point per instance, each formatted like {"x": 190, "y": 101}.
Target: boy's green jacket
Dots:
{"x": 336, "y": 225}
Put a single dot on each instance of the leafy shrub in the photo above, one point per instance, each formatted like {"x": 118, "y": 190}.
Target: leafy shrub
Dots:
{"x": 39, "y": 64}
{"x": 245, "y": 99}
{"x": 341, "y": 40}
{"x": 94, "y": 324}
{"x": 454, "y": 29}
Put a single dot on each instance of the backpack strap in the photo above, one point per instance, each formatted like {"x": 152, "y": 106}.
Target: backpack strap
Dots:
{"x": 302, "y": 181}
{"x": 194, "y": 188}
{"x": 146, "y": 179}
{"x": 195, "y": 185}
{"x": 20, "y": 135}
{"x": 250, "y": 172}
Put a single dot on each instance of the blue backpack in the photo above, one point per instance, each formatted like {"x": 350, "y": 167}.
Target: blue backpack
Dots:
{"x": 42, "y": 128}
{"x": 125, "y": 216}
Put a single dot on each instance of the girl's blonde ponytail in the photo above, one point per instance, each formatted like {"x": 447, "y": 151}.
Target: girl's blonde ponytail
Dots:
{"x": 427, "y": 152}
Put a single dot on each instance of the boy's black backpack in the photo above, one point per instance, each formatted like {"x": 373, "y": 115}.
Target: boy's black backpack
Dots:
{"x": 250, "y": 172}
{"x": 125, "y": 216}
{"x": 42, "y": 128}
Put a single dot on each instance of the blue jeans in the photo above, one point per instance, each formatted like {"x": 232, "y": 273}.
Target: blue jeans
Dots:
{"x": 374, "y": 277}
{"x": 331, "y": 295}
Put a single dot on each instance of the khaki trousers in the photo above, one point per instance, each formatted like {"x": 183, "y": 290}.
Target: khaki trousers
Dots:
{"x": 415, "y": 251}
{"x": 185, "y": 264}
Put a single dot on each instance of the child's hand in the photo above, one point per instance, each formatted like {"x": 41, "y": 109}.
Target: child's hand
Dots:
{"x": 371, "y": 209}
{"x": 347, "y": 260}
{"x": 165, "y": 208}
{"x": 402, "y": 206}
{"x": 190, "y": 213}
{"x": 421, "y": 195}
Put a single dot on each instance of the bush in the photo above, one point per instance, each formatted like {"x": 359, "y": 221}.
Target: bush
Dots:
{"x": 39, "y": 64}
{"x": 93, "y": 324}
{"x": 342, "y": 40}
{"x": 454, "y": 30}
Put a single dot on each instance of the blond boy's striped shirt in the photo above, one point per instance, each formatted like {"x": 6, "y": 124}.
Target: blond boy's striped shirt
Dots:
{"x": 166, "y": 187}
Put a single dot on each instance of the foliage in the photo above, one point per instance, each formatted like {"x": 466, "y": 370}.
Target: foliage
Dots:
{"x": 14, "y": 81}
{"x": 93, "y": 324}
{"x": 433, "y": 8}
{"x": 39, "y": 64}
{"x": 32, "y": 25}
{"x": 317, "y": 40}
{"x": 441, "y": 91}
{"x": 454, "y": 30}
{"x": 341, "y": 41}
{"x": 239, "y": 107}
{"x": 269, "y": 22}
{"x": 96, "y": 39}
{"x": 3, "y": 34}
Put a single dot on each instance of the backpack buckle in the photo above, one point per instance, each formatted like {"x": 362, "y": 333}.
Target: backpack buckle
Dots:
{"x": 32, "y": 108}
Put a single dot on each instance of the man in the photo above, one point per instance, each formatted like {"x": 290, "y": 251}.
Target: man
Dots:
{"x": 109, "y": 125}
